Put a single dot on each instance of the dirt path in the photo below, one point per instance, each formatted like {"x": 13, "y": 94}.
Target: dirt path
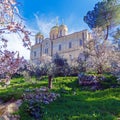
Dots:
{"x": 6, "y": 109}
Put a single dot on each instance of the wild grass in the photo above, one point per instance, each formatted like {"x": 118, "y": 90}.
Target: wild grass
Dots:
{"x": 75, "y": 102}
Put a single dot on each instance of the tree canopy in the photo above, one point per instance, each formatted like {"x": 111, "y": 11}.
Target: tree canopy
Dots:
{"x": 105, "y": 15}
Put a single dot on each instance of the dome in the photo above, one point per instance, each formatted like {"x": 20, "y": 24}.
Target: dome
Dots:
{"x": 54, "y": 28}
{"x": 40, "y": 35}
{"x": 54, "y": 32}
{"x": 63, "y": 27}
{"x": 62, "y": 30}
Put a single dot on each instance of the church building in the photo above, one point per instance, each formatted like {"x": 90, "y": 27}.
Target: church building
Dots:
{"x": 68, "y": 46}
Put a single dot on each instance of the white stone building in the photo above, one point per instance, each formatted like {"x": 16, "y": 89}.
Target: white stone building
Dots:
{"x": 66, "y": 45}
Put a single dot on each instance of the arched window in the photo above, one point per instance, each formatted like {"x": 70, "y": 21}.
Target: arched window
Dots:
{"x": 60, "y": 47}
{"x": 35, "y": 53}
{"x": 81, "y": 42}
{"x": 70, "y": 45}
{"x": 60, "y": 33}
{"x": 46, "y": 50}
{"x": 37, "y": 40}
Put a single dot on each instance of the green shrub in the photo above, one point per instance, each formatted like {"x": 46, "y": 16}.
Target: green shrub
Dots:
{"x": 108, "y": 82}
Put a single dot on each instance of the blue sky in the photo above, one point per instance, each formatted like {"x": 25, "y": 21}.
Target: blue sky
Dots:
{"x": 40, "y": 15}
{"x": 71, "y": 11}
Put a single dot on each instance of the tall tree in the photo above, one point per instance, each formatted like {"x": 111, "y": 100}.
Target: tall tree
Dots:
{"x": 105, "y": 15}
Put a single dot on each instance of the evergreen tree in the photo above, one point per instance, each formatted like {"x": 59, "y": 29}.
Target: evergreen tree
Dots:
{"x": 104, "y": 15}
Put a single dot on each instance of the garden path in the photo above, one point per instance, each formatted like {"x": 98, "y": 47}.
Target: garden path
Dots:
{"x": 7, "y": 108}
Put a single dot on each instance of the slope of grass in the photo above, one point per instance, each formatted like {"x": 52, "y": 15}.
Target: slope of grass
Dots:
{"x": 78, "y": 104}
{"x": 18, "y": 86}
{"x": 74, "y": 103}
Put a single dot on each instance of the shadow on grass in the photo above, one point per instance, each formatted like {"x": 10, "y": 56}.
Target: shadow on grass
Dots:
{"x": 77, "y": 104}
{"x": 79, "y": 107}
{"x": 74, "y": 103}
{"x": 16, "y": 89}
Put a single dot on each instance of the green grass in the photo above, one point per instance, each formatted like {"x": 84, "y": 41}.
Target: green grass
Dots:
{"x": 74, "y": 102}
{"x": 17, "y": 87}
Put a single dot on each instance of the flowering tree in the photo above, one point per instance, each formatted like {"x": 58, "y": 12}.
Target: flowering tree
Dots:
{"x": 11, "y": 22}
{"x": 116, "y": 61}
{"x": 100, "y": 52}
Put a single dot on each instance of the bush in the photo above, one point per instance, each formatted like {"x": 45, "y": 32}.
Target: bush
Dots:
{"x": 31, "y": 110}
{"x": 108, "y": 82}
{"x": 35, "y": 109}
{"x": 98, "y": 81}
{"x": 41, "y": 95}
{"x": 34, "y": 101}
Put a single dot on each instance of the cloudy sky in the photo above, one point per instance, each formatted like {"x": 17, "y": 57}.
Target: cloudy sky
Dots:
{"x": 40, "y": 15}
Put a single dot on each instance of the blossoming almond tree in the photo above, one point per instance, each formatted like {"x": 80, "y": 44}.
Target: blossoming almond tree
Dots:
{"x": 101, "y": 52}
{"x": 11, "y": 22}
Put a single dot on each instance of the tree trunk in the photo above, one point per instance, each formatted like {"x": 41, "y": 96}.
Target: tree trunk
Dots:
{"x": 106, "y": 37}
{"x": 100, "y": 69}
{"x": 50, "y": 81}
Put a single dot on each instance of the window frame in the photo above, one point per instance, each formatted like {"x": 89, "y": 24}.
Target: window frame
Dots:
{"x": 60, "y": 47}
{"x": 35, "y": 53}
{"x": 70, "y": 45}
{"x": 81, "y": 42}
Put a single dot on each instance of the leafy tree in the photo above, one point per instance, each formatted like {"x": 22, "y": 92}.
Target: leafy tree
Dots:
{"x": 52, "y": 67}
{"x": 105, "y": 15}
{"x": 60, "y": 65}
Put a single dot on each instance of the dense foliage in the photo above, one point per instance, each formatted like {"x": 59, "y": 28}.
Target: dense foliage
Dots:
{"x": 104, "y": 15}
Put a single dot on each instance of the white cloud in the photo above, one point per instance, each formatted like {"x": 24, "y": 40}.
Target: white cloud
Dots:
{"x": 44, "y": 24}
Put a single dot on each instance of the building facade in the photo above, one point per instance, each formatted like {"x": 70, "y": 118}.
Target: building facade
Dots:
{"x": 68, "y": 46}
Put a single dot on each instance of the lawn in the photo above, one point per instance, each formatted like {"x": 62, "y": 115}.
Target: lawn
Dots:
{"x": 74, "y": 103}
